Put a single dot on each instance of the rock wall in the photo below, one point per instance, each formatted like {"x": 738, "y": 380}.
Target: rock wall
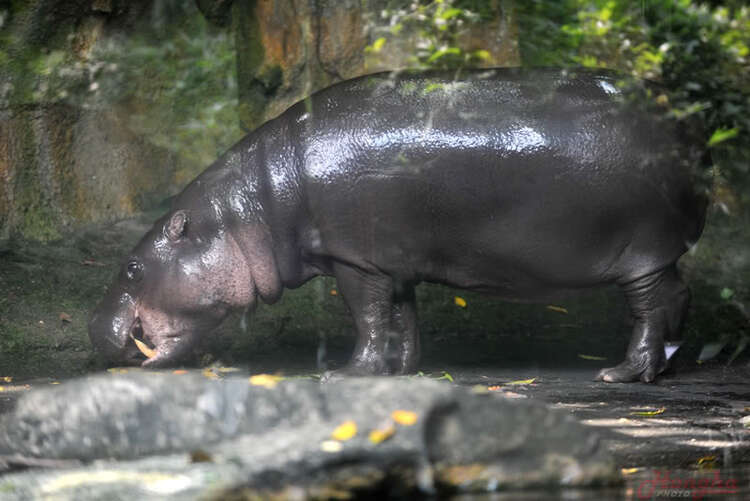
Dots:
{"x": 67, "y": 162}
{"x": 287, "y": 49}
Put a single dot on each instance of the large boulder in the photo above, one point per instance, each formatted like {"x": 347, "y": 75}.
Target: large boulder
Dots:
{"x": 187, "y": 436}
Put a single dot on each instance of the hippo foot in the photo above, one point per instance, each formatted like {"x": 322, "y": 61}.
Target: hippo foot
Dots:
{"x": 354, "y": 370}
{"x": 627, "y": 372}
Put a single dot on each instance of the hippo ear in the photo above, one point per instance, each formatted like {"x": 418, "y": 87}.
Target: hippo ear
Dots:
{"x": 176, "y": 226}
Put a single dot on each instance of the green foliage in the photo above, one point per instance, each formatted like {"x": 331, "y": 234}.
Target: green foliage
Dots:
{"x": 175, "y": 75}
{"x": 435, "y": 26}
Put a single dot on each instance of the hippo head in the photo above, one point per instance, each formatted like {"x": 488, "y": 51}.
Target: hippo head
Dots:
{"x": 181, "y": 279}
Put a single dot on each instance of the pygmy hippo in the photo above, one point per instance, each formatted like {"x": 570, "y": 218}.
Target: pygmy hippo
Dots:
{"x": 519, "y": 183}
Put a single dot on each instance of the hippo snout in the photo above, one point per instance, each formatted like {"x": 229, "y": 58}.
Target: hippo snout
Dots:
{"x": 110, "y": 330}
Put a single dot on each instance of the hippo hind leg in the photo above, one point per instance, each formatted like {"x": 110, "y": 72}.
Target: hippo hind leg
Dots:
{"x": 404, "y": 333}
{"x": 658, "y": 303}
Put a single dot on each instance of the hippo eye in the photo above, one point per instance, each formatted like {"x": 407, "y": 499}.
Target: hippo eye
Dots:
{"x": 134, "y": 270}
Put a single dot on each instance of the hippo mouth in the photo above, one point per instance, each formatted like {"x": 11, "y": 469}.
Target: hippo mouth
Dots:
{"x": 163, "y": 350}
{"x": 147, "y": 349}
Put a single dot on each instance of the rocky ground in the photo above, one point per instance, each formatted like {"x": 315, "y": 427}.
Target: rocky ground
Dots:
{"x": 689, "y": 427}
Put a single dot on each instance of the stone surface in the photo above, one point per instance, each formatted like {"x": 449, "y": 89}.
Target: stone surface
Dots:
{"x": 62, "y": 167}
{"x": 65, "y": 160}
{"x": 290, "y": 48}
{"x": 188, "y": 436}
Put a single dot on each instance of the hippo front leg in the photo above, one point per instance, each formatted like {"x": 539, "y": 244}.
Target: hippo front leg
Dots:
{"x": 658, "y": 303}
{"x": 369, "y": 297}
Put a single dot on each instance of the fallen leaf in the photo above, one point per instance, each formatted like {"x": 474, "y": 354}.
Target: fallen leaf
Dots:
{"x": 265, "y": 380}
{"x": 591, "y": 357}
{"x": 706, "y": 462}
{"x": 199, "y": 456}
{"x": 334, "y": 292}
{"x": 382, "y": 434}
{"x": 446, "y": 376}
{"x": 225, "y": 370}
{"x": 143, "y": 348}
{"x": 344, "y": 431}
{"x": 91, "y": 262}
{"x": 6, "y": 379}
{"x": 495, "y": 387}
{"x": 331, "y": 446}
{"x": 522, "y": 381}
{"x": 55, "y": 382}
{"x": 629, "y": 471}
{"x": 459, "y": 301}
{"x": 558, "y": 309}
{"x": 179, "y": 372}
{"x": 649, "y": 413}
{"x": 405, "y": 418}
{"x": 209, "y": 374}
{"x": 64, "y": 317}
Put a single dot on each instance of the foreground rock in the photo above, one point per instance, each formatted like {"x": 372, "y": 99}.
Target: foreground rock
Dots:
{"x": 170, "y": 436}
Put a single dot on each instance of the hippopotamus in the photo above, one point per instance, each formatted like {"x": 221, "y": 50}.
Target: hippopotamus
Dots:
{"x": 520, "y": 183}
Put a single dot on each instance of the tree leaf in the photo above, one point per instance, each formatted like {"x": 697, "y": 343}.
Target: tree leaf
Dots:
{"x": 720, "y": 135}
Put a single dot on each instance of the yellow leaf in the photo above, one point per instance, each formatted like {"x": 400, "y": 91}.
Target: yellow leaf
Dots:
{"x": 629, "y": 471}
{"x": 482, "y": 54}
{"x": 558, "y": 309}
{"x": 344, "y": 431}
{"x": 265, "y": 380}
{"x": 6, "y": 379}
{"x": 225, "y": 370}
{"x": 522, "y": 381}
{"x": 590, "y": 357}
{"x": 378, "y": 44}
{"x": 405, "y": 418}
{"x": 706, "y": 459}
{"x": 649, "y": 413}
{"x": 382, "y": 434}
{"x": 209, "y": 374}
{"x": 55, "y": 382}
{"x": 2, "y": 389}
{"x": 143, "y": 348}
{"x": 459, "y": 301}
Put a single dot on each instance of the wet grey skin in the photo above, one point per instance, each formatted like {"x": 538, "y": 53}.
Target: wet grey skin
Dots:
{"x": 520, "y": 183}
